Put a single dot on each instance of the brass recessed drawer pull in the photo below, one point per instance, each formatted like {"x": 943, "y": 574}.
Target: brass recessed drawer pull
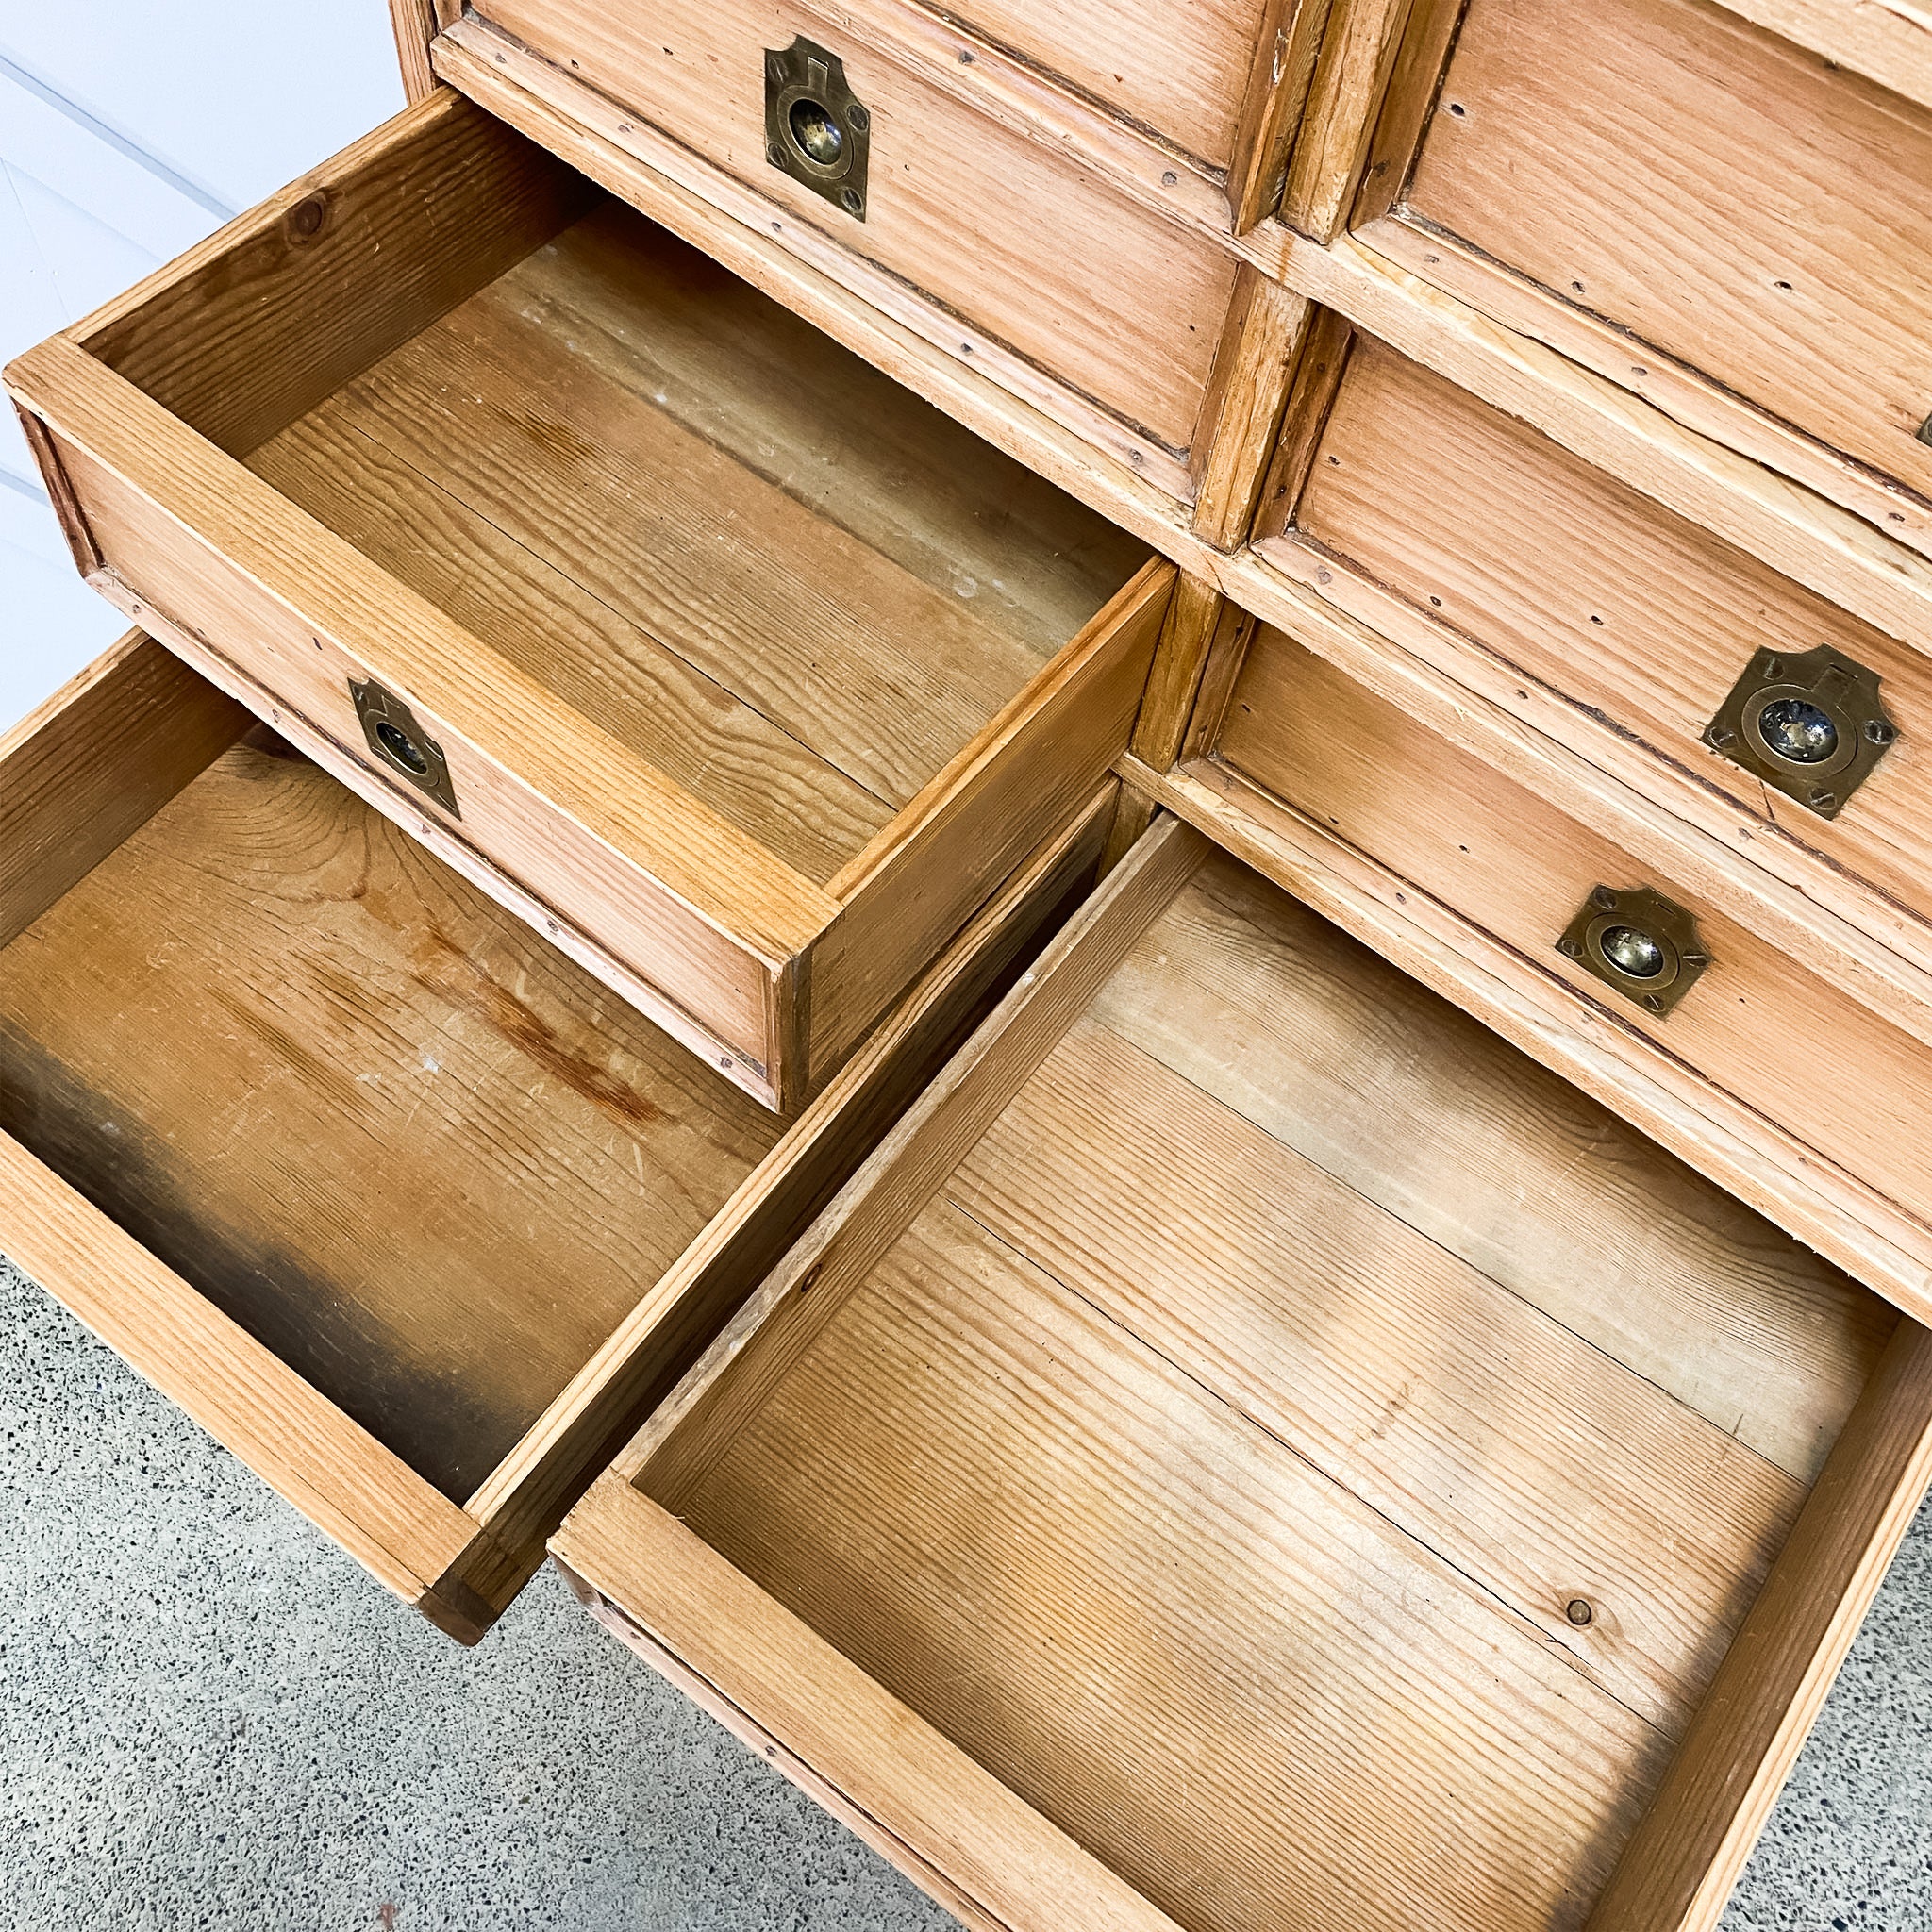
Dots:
{"x": 1640, "y": 943}
{"x": 1812, "y": 726}
{"x": 816, "y": 129}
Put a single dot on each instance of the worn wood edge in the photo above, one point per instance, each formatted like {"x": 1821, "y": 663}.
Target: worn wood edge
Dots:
{"x": 1680, "y": 1865}
{"x": 1247, "y": 391}
{"x": 1756, "y": 871}
{"x": 1318, "y": 376}
{"x": 457, "y": 853}
{"x": 922, "y": 877}
{"x": 1285, "y": 50}
{"x": 1673, "y": 388}
{"x": 1181, "y": 654}
{"x": 900, "y": 1783}
{"x": 415, "y": 123}
{"x": 1359, "y": 53}
{"x": 897, "y": 842}
{"x": 395, "y": 1524}
{"x": 1402, "y": 118}
{"x": 1133, "y": 813}
{"x": 1865, "y": 1233}
{"x": 875, "y": 1206}
{"x": 68, "y": 513}
{"x": 531, "y": 740}
{"x": 1227, "y": 653}
{"x": 522, "y": 1498}
{"x": 79, "y": 808}
{"x": 1818, "y": 542}
{"x": 597, "y": 138}
{"x": 414, "y": 24}
{"x": 1887, "y": 41}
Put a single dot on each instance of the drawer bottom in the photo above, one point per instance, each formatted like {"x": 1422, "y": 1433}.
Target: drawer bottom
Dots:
{"x": 1252, "y": 1451}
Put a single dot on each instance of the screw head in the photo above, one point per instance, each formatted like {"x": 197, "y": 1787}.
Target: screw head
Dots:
{"x": 1579, "y": 1612}
{"x": 1603, "y": 899}
{"x": 857, "y": 118}
{"x": 851, "y": 200}
{"x": 1880, "y": 731}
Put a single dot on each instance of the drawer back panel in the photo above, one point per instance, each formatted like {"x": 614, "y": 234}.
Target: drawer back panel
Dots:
{"x": 406, "y": 1144}
{"x": 1729, "y": 198}
{"x": 1120, "y": 305}
{"x": 1602, "y": 594}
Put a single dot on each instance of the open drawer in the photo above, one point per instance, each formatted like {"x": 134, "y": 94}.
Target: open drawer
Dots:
{"x": 403, "y": 1206}
{"x": 1250, "y": 1450}
{"x": 727, "y": 662}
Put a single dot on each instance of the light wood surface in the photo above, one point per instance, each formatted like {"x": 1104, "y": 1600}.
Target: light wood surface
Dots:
{"x": 1605, "y": 597}
{"x": 372, "y": 1118}
{"x": 1469, "y": 838}
{"x": 1032, "y": 262}
{"x": 1245, "y": 397}
{"x": 1680, "y": 1866}
{"x": 1196, "y": 616}
{"x": 1122, "y": 1313}
{"x": 95, "y": 760}
{"x": 913, "y": 1795}
{"x": 1357, "y": 53}
{"x": 1778, "y": 203}
{"x": 1285, "y": 51}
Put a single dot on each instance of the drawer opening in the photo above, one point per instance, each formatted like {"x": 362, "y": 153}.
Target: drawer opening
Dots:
{"x": 1254, "y": 1445}
{"x": 419, "y": 1156}
{"x": 725, "y": 644}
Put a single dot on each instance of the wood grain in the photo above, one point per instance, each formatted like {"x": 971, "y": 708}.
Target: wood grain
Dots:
{"x": 1194, "y": 616}
{"x": 249, "y": 328}
{"x": 1291, "y": 1024}
{"x": 1456, "y": 1409}
{"x": 1603, "y": 596}
{"x": 1011, "y": 786}
{"x": 1679, "y": 1868}
{"x": 1477, "y": 841}
{"x": 1154, "y": 1623}
{"x": 360, "y": 1109}
{"x": 912, "y": 1795}
{"x": 1779, "y": 201}
{"x": 1260, "y": 344}
{"x": 1357, "y": 53}
{"x": 1285, "y": 51}
{"x": 95, "y": 760}
{"x": 1034, "y": 262}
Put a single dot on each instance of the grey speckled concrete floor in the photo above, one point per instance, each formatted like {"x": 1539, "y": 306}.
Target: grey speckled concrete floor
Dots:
{"x": 209, "y": 1717}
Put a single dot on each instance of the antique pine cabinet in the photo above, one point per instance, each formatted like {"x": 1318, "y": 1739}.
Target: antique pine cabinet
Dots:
{"x": 1073, "y": 866}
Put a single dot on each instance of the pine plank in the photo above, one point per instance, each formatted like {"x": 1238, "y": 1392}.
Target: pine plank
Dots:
{"x": 365, "y": 1112}
{"x": 1424, "y": 1111}
{"x": 1243, "y": 1692}
{"x": 1527, "y": 1459}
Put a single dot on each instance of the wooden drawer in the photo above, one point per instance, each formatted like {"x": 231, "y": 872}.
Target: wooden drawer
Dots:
{"x": 395, "y": 1200}
{"x": 722, "y": 658}
{"x": 998, "y": 248}
{"x": 1781, "y": 1070}
{"x": 1636, "y": 625}
{"x": 1727, "y": 223}
{"x": 1252, "y": 1451}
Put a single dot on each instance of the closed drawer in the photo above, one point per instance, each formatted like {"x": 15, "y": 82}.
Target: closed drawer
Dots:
{"x": 719, "y": 656}
{"x": 1002, "y": 246}
{"x": 1700, "y": 195}
{"x": 1630, "y": 617}
{"x": 1252, "y": 1451}
{"x": 1768, "y": 1053}
{"x": 398, "y": 1203}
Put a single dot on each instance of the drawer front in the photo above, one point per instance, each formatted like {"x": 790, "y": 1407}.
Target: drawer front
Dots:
{"x": 1034, "y": 255}
{"x": 738, "y": 669}
{"x": 1734, "y": 202}
{"x": 1252, "y": 1451}
{"x": 1629, "y": 612}
{"x": 392, "y": 1198}
{"x": 1851, "y": 1090}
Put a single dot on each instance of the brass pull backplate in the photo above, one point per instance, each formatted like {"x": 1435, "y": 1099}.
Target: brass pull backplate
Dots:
{"x": 1811, "y": 725}
{"x": 401, "y": 746}
{"x": 1640, "y": 943}
{"x": 816, "y": 129}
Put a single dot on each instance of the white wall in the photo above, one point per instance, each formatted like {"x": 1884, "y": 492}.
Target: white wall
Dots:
{"x": 128, "y": 129}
